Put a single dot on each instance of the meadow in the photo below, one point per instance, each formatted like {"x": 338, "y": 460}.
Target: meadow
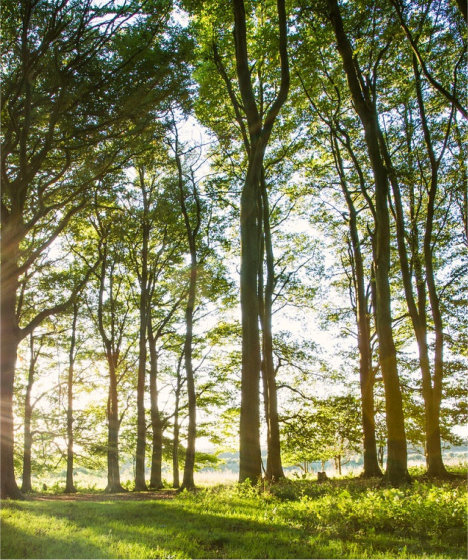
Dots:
{"x": 346, "y": 518}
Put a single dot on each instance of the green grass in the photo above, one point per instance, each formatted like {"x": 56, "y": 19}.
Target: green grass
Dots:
{"x": 301, "y": 519}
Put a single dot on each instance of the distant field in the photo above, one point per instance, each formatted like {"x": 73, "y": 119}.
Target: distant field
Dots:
{"x": 301, "y": 519}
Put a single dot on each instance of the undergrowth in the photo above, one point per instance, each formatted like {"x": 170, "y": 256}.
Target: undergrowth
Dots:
{"x": 292, "y": 519}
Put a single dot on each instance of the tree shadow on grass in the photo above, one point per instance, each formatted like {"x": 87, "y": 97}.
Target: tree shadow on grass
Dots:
{"x": 172, "y": 529}
{"x": 151, "y": 529}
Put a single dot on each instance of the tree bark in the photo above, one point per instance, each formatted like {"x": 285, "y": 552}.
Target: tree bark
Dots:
{"x": 259, "y": 133}
{"x": 188, "y": 481}
{"x": 113, "y": 469}
{"x": 250, "y": 454}
{"x": 156, "y": 424}
{"x": 69, "y": 485}
{"x": 26, "y": 485}
{"x": 366, "y": 373}
{"x": 274, "y": 470}
{"x": 433, "y": 391}
{"x": 140, "y": 482}
{"x": 397, "y": 471}
{"x": 112, "y": 356}
{"x": 175, "y": 442}
{"x": 192, "y": 233}
{"x": 10, "y": 337}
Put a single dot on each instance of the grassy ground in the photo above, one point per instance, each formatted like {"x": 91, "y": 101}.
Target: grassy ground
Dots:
{"x": 302, "y": 519}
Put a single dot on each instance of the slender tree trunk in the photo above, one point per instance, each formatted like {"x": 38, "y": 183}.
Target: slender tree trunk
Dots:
{"x": 192, "y": 233}
{"x": 70, "y": 486}
{"x": 274, "y": 470}
{"x": 432, "y": 391}
{"x": 112, "y": 356}
{"x": 397, "y": 471}
{"x": 175, "y": 442}
{"x": 367, "y": 381}
{"x": 434, "y": 452}
{"x": 140, "y": 482}
{"x": 250, "y": 454}
{"x": 366, "y": 373}
{"x": 113, "y": 469}
{"x": 10, "y": 338}
{"x": 175, "y": 454}
{"x": 188, "y": 481}
{"x": 26, "y": 485}
{"x": 156, "y": 424}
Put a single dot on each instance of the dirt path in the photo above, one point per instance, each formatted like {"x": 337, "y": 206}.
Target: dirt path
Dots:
{"x": 102, "y": 497}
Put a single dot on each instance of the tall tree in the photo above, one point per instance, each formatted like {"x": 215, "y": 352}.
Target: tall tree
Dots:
{"x": 192, "y": 228}
{"x": 366, "y": 370}
{"x": 69, "y": 484}
{"x": 140, "y": 483}
{"x": 68, "y": 112}
{"x": 112, "y": 319}
{"x": 259, "y": 131}
{"x": 365, "y": 106}
{"x": 274, "y": 469}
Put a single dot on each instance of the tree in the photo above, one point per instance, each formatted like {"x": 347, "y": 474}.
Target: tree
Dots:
{"x": 68, "y": 112}
{"x": 112, "y": 318}
{"x": 192, "y": 228}
{"x": 26, "y": 485}
{"x": 325, "y": 429}
{"x": 254, "y": 109}
{"x": 69, "y": 485}
{"x": 365, "y": 107}
{"x": 155, "y": 246}
{"x": 358, "y": 203}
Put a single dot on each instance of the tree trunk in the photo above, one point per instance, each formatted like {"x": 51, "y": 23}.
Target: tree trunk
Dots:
{"x": 397, "y": 471}
{"x": 175, "y": 443}
{"x": 381, "y": 452}
{"x": 366, "y": 373}
{"x": 10, "y": 337}
{"x": 113, "y": 469}
{"x": 250, "y": 454}
{"x": 140, "y": 482}
{"x": 188, "y": 481}
{"x": 26, "y": 485}
{"x": 175, "y": 454}
{"x": 250, "y": 461}
{"x": 274, "y": 470}
{"x": 432, "y": 391}
{"x": 192, "y": 230}
{"x": 156, "y": 424}
{"x": 70, "y": 486}
{"x": 435, "y": 464}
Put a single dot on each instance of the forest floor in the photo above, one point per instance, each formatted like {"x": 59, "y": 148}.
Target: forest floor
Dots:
{"x": 99, "y": 497}
{"x": 295, "y": 519}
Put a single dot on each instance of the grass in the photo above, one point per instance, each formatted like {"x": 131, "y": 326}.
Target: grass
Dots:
{"x": 295, "y": 519}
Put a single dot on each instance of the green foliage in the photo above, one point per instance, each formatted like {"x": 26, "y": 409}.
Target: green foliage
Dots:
{"x": 322, "y": 430}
